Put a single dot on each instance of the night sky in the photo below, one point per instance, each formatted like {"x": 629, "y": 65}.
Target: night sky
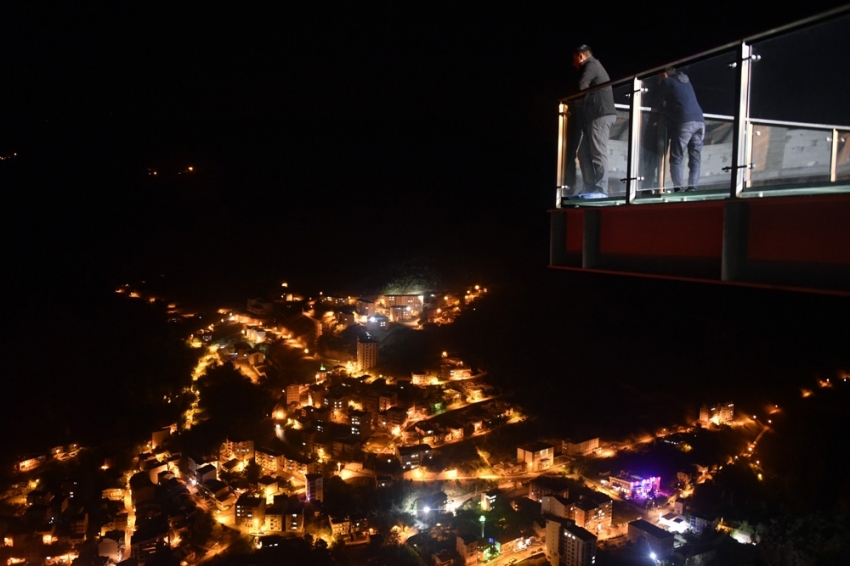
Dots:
{"x": 414, "y": 132}
{"x": 326, "y": 143}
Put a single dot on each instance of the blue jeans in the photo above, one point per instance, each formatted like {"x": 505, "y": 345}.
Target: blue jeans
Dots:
{"x": 689, "y": 136}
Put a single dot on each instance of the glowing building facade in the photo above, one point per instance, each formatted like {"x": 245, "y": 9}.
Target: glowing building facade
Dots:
{"x": 719, "y": 413}
{"x": 636, "y": 487}
{"x": 367, "y": 353}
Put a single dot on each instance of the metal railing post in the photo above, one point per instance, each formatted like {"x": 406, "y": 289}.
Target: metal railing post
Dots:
{"x": 748, "y": 179}
{"x": 742, "y": 113}
{"x": 633, "y": 156}
{"x": 833, "y": 156}
{"x": 563, "y": 141}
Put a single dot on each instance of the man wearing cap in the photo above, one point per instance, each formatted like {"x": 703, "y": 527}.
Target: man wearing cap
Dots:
{"x": 686, "y": 125}
{"x": 597, "y": 114}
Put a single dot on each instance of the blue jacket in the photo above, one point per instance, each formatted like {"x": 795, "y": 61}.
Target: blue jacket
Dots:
{"x": 680, "y": 102}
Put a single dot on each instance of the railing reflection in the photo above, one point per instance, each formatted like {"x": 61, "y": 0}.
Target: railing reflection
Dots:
{"x": 761, "y": 134}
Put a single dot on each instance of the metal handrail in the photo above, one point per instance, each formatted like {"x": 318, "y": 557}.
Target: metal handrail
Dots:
{"x": 800, "y": 24}
{"x": 619, "y": 106}
{"x": 811, "y": 126}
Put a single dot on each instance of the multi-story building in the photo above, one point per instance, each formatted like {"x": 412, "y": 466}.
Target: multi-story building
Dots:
{"x": 415, "y": 302}
{"x": 547, "y": 485}
{"x": 242, "y": 449}
{"x": 340, "y": 526}
{"x": 346, "y": 317}
{"x": 293, "y": 522}
{"x": 412, "y": 457}
{"x": 315, "y": 487}
{"x": 392, "y": 418}
{"x": 377, "y": 322}
{"x": 401, "y": 313}
{"x": 335, "y": 300}
{"x": 359, "y": 524}
{"x": 316, "y": 394}
{"x": 488, "y": 499}
{"x": 255, "y": 334}
{"x": 270, "y": 460}
{"x": 251, "y": 512}
{"x": 657, "y": 540}
{"x": 360, "y": 422}
{"x": 365, "y": 307}
{"x": 367, "y": 353}
{"x": 719, "y": 413}
{"x": 387, "y": 399}
{"x": 419, "y": 378}
{"x": 568, "y": 544}
{"x": 555, "y": 506}
{"x": 274, "y": 519}
{"x": 577, "y": 547}
{"x": 592, "y": 513}
{"x": 448, "y": 367}
{"x": 554, "y": 528}
{"x": 467, "y": 547}
{"x": 537, "y": 456}
{"x": 590, "y": 510}
{"x": 581, "y": 448}
{"x": 294, "y": 392}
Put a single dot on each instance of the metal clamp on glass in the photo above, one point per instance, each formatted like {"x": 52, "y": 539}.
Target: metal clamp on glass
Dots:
{"x": 746, "y": 166}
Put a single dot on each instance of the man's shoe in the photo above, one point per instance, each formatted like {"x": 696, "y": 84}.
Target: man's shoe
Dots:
{"x": 591, "y": 195}
{"x": 677, "y": 189}
{"x": 690, "y": 189}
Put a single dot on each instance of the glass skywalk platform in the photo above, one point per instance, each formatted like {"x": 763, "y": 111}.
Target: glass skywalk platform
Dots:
{"x": 773, "y": 200}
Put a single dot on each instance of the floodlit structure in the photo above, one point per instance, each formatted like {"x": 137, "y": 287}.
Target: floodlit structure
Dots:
{"x": 636, "y": 487}
{"x": 773, "y": 196}
{"x": 718, "y": 413}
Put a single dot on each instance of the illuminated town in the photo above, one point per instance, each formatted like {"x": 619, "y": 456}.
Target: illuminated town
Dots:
{"x": 436, "y": 462}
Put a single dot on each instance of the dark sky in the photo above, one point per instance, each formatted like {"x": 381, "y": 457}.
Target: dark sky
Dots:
{"x": 409, "y": 132}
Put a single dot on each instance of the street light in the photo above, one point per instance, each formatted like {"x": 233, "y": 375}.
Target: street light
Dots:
{"x": 482, "y": 518}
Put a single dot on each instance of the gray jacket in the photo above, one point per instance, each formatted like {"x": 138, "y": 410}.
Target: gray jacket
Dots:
{"x": 599, "y": 102}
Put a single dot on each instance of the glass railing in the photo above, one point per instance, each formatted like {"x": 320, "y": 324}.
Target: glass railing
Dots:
{"x": 776, "y": 118}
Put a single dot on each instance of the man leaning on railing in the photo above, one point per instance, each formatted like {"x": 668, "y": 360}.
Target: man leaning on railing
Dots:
{"x": 686, "y": 125}
{"x": 596, "y": 114}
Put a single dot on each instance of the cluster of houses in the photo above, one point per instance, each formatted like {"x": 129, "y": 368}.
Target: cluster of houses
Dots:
{"x": 335, "y": 416}
{"x": 376, "y": 312}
